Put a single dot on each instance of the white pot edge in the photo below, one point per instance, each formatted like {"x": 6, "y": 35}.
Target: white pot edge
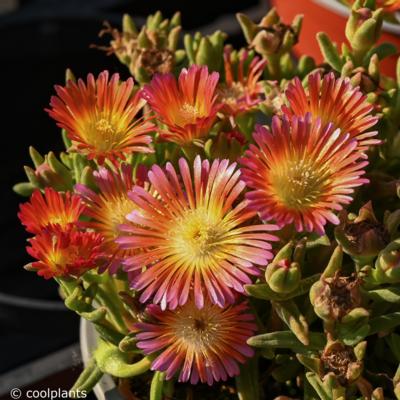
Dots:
{"x": 341, "y": 9}
{"x": 88, "y": 341}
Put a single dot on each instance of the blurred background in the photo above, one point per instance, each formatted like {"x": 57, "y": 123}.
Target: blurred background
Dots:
{"x": 39, "y": 39}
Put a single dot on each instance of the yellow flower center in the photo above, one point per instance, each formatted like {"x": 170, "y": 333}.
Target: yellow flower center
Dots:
{"x": 104, "y": 132}
{"x": 104, "y": 127}
{"x": 198, "y": 236}
{"x": 299, "y": 183}
{"x": 188, "y": 114}
{"x": 230, "y": 94}
{"x": 60, "y": 219}
{"x": 196, "y": 328}
{"x": 115, "y": 212}
{"x": 58, "y": 258}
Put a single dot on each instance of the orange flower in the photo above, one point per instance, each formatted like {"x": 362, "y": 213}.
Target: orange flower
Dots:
{"x": 99, "y": 117}
{"x": 204, "y": 345}
{"x": 243, "y": 92}
{"x": 108, "y": 208}
{"x": 64, "y": 252}
{"x": 194, "y": 236}
{"x": 301, "y": 172}
{"x": 188, "y": 107}
{"x": 52, "y": 208}
{"x": 334, "y": 101}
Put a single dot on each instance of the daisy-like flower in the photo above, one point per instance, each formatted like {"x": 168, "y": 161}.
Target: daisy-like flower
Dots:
{"x": 64, "y": 252}
{"x": 241, "y": 93}
{"x": 99, "y": 117}
{"x": 108, "y": 208}
{"x": 192, "y": 236}
{"x": 188, "y": 107}
{"x": 302, "y": 172}
{"x": 52, "y": 208}
{"x": 334, "y": 101}
{"x": 205, "y": 345}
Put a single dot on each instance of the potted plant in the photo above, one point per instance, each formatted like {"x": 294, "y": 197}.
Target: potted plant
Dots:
{"x": 210, "y": 257}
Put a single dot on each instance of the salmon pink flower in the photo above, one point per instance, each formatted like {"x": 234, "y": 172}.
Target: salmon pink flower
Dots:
{"x": 108, "y": 208}
{"x": 63, "y": 253}
{"x": 52, "y": 208}
{"x": 100, "y": 117}
{"x": 241, "y": 93}
{"x": 334, "y": 101}
{"x": 188, "y": 107}
{"x": 194, "y": 235}
{"x": 205, "y": 345}
{"x": 301, "y": 172}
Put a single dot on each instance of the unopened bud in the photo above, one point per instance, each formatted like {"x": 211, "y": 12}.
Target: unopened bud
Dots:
{"x": 387, "y": 266}
{"x": 283, "y": 276}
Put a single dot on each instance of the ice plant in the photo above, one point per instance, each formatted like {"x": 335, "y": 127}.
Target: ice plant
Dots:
{"x": 63, "y": 253}
{"x": 204, "y": 345}
{"x": 188, "y": 106}
{"x": 108, "y": 208}
{"x": 301, "y": 172}
{"x": 49, "y": 209}
{"x": 334, "y": 101}
{"x": 242, "y": 91}
{"x": 194, "y": 235}
{"x": 176, "y": 262}
{"x": 101, "y": 117}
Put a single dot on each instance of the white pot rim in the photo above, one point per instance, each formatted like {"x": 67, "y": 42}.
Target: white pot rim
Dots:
{"x": 341, "y": 9}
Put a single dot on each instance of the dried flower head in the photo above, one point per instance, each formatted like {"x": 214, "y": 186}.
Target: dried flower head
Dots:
{"x": 341, "y": 360}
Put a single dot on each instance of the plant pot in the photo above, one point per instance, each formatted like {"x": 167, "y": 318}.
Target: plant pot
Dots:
{"x": 105, "y": 388}
{"x": 330, "y": 16}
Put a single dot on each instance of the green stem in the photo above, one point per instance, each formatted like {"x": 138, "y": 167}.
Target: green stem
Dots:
{"x": 157, "y": 383}
{"x": 247, "y": 384}
{"x": 273, "y": 66}
{"x": 114, "y": 312}
{"x": 87, "y": 379}
{"x": 112, "y": 361}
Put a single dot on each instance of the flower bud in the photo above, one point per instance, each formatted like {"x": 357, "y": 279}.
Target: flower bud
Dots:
{"x": 387, "y": 266}
{"x": 283, "y": 276}
{"x": 362, "y": 237}
{"x": 270, "y": 36}
{"x": 363, "y": 28}
{"x": 47, "y": 176}
{"x": 206, "y": 50}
